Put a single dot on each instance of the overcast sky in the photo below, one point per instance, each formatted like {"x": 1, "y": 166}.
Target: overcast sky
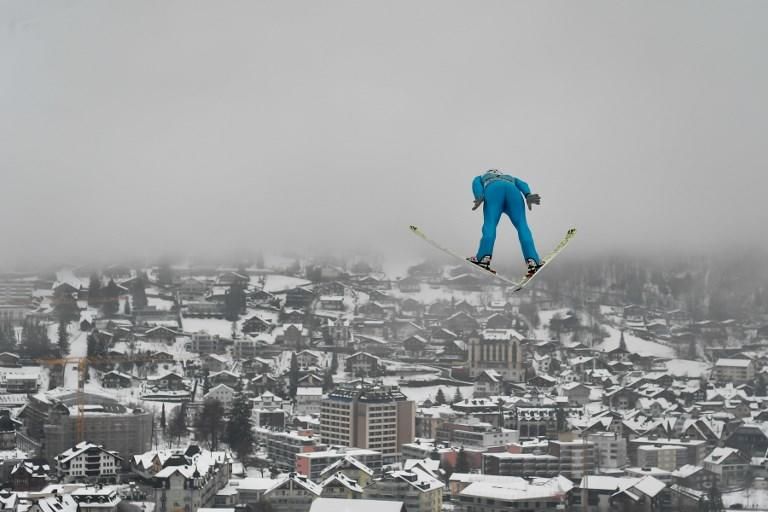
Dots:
{"x": 143, "y": 127}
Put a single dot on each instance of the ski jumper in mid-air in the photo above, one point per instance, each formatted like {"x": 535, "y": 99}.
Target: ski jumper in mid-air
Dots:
{"x": 500, "y": 193}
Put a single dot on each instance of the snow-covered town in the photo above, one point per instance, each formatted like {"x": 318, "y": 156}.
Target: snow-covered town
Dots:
{"x": 279, "y": 384}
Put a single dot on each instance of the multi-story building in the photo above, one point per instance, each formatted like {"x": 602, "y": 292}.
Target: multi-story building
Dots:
{"x": 471, "y": 432}
{"x": 577, "y": 458}
{"x": 283, "y": 447}
{"x": 368, "y": 415}
{"x": 738, "y": 371}
{"x": 88, "y": 462}
{"x": 499, "y": 350}
{"x": 314, "y": 464}
{"x": 610, "y": 450}
{"x": 206, "y": 343}
{"x": 515, "y": 494}
{"x": 666, "y": 457}
{"x": 97, "y": 499}
{"x": 308, "y": 401}
{"x": 694, "y": 454}
{"x": 521, "y": 464}
{"x": 51, "y": 419}
{"x": 193, "y": 483}
{"x": 293, "y": 493}
{"x": 419, "y": 490}
{"x": 268, "y": 410}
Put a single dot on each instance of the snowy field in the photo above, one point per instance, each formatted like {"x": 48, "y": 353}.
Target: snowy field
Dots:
{"x": 422, "y": 393}
{"x": 277, "y": 283}
{"x": 687, "y": 368}
{"x": 635, "y": 344}
{"x": 749, "y": 499}
{"x": 214, "y": 326}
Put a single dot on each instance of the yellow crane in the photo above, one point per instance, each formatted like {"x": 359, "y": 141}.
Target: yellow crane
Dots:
{"x": 82, "y": 369}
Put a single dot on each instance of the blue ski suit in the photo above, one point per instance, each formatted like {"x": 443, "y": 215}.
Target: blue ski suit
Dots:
{"x": 502, "y": 193}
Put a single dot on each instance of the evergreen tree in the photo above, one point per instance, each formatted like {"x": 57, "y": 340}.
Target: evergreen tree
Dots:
{"x": 761, "y": 387}
{"x": 34, "y": 340}
{"x": 110, "y": 298}
{"x": 440, "y": 397}
{"x": 165, "y": 274}
{"x": 66, "y": 307}
{"x": 63, "y": 339}
{"x": 94, "y": 291}
{"x": 127, "y": 308}
{"x": 178, "y": 424}
{"x": 622, "y": 342}
{"x": 162, "y": 418}
{"x": 462, "y": 463}
{"x": 457, "y": 397}
{"x": 328, "y": 381}
{"x": 210, "y": 422}
{"x": 234, "y": 301}
{"x": 139, "y": 293}
{"x": 334, "y": 364}
{"x": 7, "y": 338}
{"x": 206, "y": 385}
{"x": 293, "y": 376}
{"x": 239, "y": 433}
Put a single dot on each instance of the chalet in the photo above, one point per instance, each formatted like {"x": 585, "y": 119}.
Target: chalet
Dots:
{"x": 116, "y": 380}
{"x": 292, "y": 316}
{"x": 411, "y": 307}
{"x": 233, "y": 278}
{"x": 461, "y": 322}
{"x": 440, "y": 309}
{"x": 333, "y": 288}
{"x": 214, "y": 362}
{"x": 307, "y": 358}
{"x": 621, "y": 398}
{"x": 332, "y": 302}
{"x": 694, "y": 477}
{"x": 374, "y": 310}
{"x": 409, "y": 285}
{"x": 465, "y": 282}
{"x": 224, "y": 377}
{"x": 162, "y": 357}
{"x": 28, "y": 476}
{"x": 542, "y": 381}
{"x": 372, "y": 344}
{"x": 363, "y": 364}
{"x": 442, "y": 335}
{"x": 223, "y": 393}
{"x": 657, "y": 328}
{"x": 729, "y": 464}
{"x": 168, "y": 382}
{"x": 634, "y": 313}
{"x": 263, "y": 383}
{"x": 499, "y": 321}
{"x": 415, "y": 346}
{"x": 191, "y": 289}
{"x": 293, "y": 336}
{"x": 381, "y": 297}
{"x": 375, "y": 283}
{"x": 255, "y": 324}
{"x": 576, "y": 392}
{"x": 369, "y": 328}
{"x": 403, "y": 329}
{"x": 9, "y": 360}
{"x": 161, "y": 334}
{"x": 456, "y": 348}
{"x": 488, "y": 383}
{"x": 310, "y": 380}
{"x": 90, "y": 462}
{"x": 299, "y": 298}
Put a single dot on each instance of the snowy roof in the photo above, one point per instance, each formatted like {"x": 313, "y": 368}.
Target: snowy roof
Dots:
{"x": 606, "y": 483}
{"x": 740, "y": 363}
{"x": 80, "y": 448}
{"x": 650, "y": 486}
{"x": 501, "y": 334}
{"x": 520, "y": 489}
{"x": 353, "y": 505}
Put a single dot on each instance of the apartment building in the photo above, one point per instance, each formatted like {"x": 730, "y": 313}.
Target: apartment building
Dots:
{"x": 368, "y": 415}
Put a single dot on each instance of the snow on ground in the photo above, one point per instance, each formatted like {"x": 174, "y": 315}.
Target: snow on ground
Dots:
{"x": 429, "y": 294}
{"x": 542, "y": 333}
{"x": 687, "y": 368}
{"x": 635, "y": 344}
{"x": 422, "y": 393}
{"x": 66, "y": 275}
{"x": 160, "y": 304}
{"x": 750, "y": 499}
{"x": 218, "y": 326}
{"x": 277, "y": 282}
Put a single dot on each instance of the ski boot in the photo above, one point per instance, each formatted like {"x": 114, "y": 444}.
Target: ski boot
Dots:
{"x": 484, "y": 263}
{"x": 533, "y": 267}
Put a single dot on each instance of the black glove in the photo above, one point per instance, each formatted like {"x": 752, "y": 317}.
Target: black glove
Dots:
{"x": 532, "y": 199}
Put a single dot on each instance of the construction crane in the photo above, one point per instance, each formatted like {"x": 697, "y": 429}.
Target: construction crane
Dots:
{"x": 82, "y": 369}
